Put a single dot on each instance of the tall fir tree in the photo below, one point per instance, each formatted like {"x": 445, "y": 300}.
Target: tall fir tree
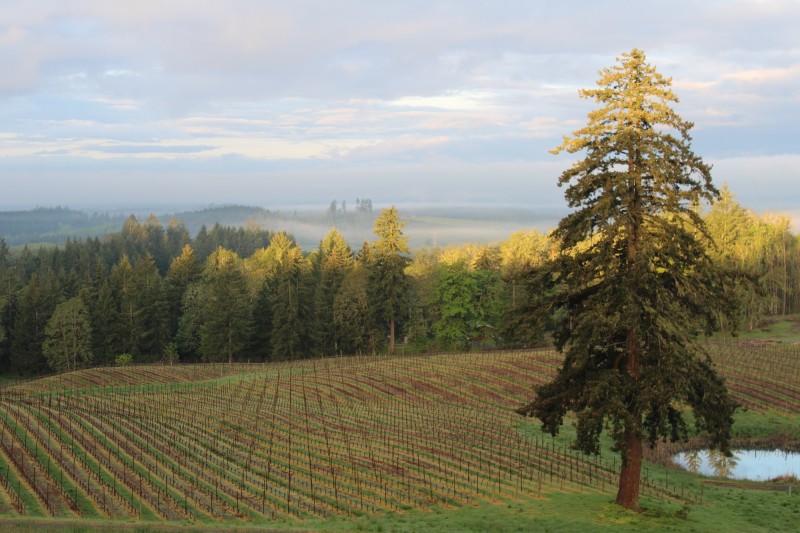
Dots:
{"x": 68, "y": 337}
{"x": 633, "y": 281}
{"x": 104, "y": 314}
{"x": 183, "y": 272}
{"x": 225, "y": 328}
{"x": 389, "y": 285}
{"x": 334, "y": 262}
{"x": 260, "y": 344}
{"x": 291, "y": 306}
{"x": 123, "y": 289}
{"x": 36, "y": 303}
{"x": 152, "y": 310}
{"x": 352, "y": 315}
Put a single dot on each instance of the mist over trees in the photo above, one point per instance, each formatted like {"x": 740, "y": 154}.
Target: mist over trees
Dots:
{"x": 153, "y": 289}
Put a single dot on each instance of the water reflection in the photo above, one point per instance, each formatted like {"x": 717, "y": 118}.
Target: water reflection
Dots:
{"x": 755, "y": 465}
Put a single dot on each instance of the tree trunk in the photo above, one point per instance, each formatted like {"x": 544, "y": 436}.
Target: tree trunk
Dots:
{"x": 628, "y": 493}
{"x": 391, "y": 337}
{"x": 230, "y": 344}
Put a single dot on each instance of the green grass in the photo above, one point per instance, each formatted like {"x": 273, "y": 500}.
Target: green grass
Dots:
{"x": 752, "y": 425}
{"x": 783, "y": 329}
{"x": 723, "y": 510}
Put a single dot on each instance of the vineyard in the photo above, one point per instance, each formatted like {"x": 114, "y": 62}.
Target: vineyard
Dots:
{"x": 254, "y": 443}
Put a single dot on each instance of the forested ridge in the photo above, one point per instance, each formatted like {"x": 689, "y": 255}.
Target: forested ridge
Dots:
{"x": 158, "y": 293}
{"x": 56, "y": 225}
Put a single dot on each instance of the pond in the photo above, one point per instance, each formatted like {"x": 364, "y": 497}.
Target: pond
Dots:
{"x": 754, "y": 465}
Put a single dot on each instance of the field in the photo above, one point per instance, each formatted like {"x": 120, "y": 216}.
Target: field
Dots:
{"x": 403, "y": 443}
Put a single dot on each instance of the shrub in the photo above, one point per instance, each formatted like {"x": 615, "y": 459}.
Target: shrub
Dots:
{"x": 123, "y": 359}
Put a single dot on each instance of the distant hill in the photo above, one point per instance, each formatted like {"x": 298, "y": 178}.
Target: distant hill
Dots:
{"x": 54, "y": 225}
{"x": 427, "y": 226}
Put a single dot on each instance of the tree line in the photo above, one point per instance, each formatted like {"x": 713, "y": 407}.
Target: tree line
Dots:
{"x": 153, "y": 293}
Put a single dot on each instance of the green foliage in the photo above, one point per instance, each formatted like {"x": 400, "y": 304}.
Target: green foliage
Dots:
{"x": 334, "y": 262}
{"x": 352, "y": 315}
{"x": 36, "y": 302}
{"x": 54, "y": 225}
{"x": 126, "y": 327}
{"x": 388, "y": 283}
{"x": 757, "y": 251}
{"x": 68, "y": 337}
{"x": 183, "y": 271}
{"x": 170, "y": 355}
{"x": 151, "y": 310}
{"x": 291, "y": 338}
{"x": 143, "y": 286}
{"x": 469, "y": 306}
{"x": 635, "y": 284}
{"x": 191, "y": 321}
{"x": 123, "y": 359}
{"x": 105, "y": 324}
{"x": 226, "y": 313}
{"x": 389, "y": 230}
{"x": 3, "y": 310}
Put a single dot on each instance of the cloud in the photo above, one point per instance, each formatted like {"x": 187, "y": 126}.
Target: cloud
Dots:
{"x": 365, "y": 93}
{"x": 766, "y": 75}
{"x": 150, "y": 149}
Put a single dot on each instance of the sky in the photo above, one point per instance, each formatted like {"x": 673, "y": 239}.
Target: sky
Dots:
{"x": 278, "y": 103}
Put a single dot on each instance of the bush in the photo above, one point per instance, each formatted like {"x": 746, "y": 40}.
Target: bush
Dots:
{"x": 170, "y": 355}
{"x": 124, "y": 359}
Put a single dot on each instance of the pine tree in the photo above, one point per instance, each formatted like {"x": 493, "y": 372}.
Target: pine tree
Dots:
{"x": 190, "y": 323}
{"x": 260, "y": 343}
{"x": 335, "y": 260}
{"x": 225, "y": 327}
{"x": 183, "y": 271}
{"x": 291, "y": 301}
{"x": 177, "y": 238}
{"x": 123, "y": 288}
{"x": 352, "y": 315}
{"x": 8, "y": 298}
{"x": 151, "y": 306}
{"x": 105, "y": 325}
{"x": 388, "y": 284}
{"x": 35, "y": 305}
{"x": 634, "y": 283}
{"x": 68, "y": 336}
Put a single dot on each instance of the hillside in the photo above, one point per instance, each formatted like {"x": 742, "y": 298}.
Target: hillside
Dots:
{"x": 304, "y": 442}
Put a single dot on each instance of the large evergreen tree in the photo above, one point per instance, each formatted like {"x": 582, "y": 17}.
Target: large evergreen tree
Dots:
{"x": 183, "y": 271}
{"x": 105, "y": 317}
{"x": 123, "y": 288}
{"x": 334, "y": 262}
{"x": 389, "y": 285}
{"x": 633, "y": 282}
{"x": 35, "y": 305}
{"x": 152, "y": 308}
{"x": 225, "y": 328}
{"x": 352, "y": 315}
{"x": 290, "y": 336}
{"x": 68, "y": 336}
